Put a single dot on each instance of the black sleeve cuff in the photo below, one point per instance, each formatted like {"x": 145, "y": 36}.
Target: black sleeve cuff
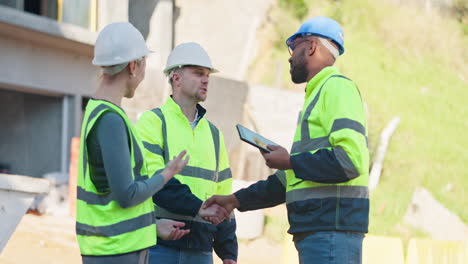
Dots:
{"x": 262, "y": 194}
{"x": 322, "y": 166}
{"x": 178, "y": 198}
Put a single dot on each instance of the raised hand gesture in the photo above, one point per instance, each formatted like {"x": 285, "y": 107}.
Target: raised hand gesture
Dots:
{"x": 175, "y": 166}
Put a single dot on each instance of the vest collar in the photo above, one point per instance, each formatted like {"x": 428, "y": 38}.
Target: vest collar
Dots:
{"x": 319, "y": 77}
{"x": 171, "y": 105}
{"x": 118, "y": 107}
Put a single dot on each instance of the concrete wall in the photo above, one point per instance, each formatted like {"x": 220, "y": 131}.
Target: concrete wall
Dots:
{"x": 225, "y": 106}
{"x": 157, "y": 28}
{"x": 45, "y": 56}
{"x": 225, "y": 28}
{"x": 154, "y": 19}
{"x": 46, "y": 71}
{"x": 31, "y": 65}
{"x": 150, "y": 94}
{"x": 275, "y": 112}
{"x": 31, "y": 133}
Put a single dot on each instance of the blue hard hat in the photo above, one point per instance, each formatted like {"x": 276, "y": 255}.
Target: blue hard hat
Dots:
{"x": 323, "y": 27}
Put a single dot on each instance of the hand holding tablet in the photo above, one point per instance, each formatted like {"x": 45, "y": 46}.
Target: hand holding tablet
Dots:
{"x": 253, "y": 138}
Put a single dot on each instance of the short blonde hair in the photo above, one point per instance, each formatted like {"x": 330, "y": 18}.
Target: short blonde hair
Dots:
{"x": 114, "y": 69}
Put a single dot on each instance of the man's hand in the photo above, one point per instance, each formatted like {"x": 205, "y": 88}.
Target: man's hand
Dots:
{"x": 277, "y": 158}
{"x": 229, "y": 202}
{"x": 214, "y": 213}
{"x": 229, "y": 261}
{"x": 170, "y": 230}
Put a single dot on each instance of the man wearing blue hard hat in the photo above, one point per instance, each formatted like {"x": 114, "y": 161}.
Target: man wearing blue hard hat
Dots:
{"x": 324, "y": 178}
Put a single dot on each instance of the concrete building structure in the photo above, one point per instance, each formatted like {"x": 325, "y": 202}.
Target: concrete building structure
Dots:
{"x": 47, "y": 77}
{"x": 227, "y": 29}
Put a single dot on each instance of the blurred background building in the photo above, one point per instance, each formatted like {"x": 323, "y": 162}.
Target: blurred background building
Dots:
{"x": 46, "y": 49}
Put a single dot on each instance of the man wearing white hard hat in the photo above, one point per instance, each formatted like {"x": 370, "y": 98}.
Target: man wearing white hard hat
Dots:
{"x": 115, "y": 214}
{"x": 181, "y": 124}
{"x": 324, "y": 178}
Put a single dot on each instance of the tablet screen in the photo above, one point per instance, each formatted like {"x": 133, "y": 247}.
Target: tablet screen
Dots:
{"x": 253, "y": 138}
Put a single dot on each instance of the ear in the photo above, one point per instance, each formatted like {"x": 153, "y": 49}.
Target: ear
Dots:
{"x": 175, "y": 76}
{"x": 313, "y": 46}
{"x": 132, "y": 68}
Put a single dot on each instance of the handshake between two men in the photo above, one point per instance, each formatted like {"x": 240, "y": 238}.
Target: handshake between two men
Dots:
{"x": 219, "y": 207}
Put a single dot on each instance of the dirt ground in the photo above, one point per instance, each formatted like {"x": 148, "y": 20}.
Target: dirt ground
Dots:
{"x": 42, "y": 239}
{"x": 51, "y": 239}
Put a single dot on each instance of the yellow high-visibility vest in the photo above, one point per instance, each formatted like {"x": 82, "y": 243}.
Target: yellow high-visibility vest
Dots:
{"x": 102, "y": 226}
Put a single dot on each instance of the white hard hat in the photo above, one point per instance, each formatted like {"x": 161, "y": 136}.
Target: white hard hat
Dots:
{"x": 188, "y": 54}
{"x": 119, "y": 43}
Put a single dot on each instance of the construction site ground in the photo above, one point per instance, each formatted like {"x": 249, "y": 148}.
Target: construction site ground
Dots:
{"x": 51, "y": 240}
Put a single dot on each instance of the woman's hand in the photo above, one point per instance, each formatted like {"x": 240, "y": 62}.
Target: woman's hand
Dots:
{"x": 175, "y": 166}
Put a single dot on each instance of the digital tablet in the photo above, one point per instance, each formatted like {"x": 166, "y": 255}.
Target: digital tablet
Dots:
{"x": 253, "y": 138}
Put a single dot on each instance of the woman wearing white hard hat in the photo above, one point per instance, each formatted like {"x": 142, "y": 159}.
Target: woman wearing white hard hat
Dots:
{"x": 115, "y": 220}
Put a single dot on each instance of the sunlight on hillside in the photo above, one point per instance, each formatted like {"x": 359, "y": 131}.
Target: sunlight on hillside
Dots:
{"x": 407, "y": 62}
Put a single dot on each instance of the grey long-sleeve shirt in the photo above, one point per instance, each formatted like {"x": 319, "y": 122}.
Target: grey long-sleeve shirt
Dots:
{"x": 110, "y": 165}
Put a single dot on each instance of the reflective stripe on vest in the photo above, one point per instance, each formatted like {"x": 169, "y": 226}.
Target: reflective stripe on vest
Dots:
{"x": 204, "y": 174}
{"x": 104, "y": 199}
{"x": 320, "y": 192}
{"x": 120, "y": 228}
{"x": 190, "y": 171}
{"x": 311, "y": 144}
{"x": 101, "y": 221}
{"x": 307, "y": 144}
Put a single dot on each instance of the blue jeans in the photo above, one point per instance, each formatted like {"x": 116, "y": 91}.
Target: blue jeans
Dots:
{"x": 137, "y": 257}
{"x": 168, "y": 255}
{"x": 331, "y": 247}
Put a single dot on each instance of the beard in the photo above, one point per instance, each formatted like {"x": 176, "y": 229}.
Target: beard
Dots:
{"x": 299, "y": 70}
{"x": 201, "y": 97}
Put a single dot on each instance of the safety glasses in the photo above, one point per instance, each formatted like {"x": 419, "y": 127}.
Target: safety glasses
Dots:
{"x": 298, "y": 40}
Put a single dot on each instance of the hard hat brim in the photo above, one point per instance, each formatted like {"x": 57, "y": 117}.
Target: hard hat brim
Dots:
{"x": 167, "y": 70}
{"x": 291, "y": 39}
{"x": 97, "y": 62}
